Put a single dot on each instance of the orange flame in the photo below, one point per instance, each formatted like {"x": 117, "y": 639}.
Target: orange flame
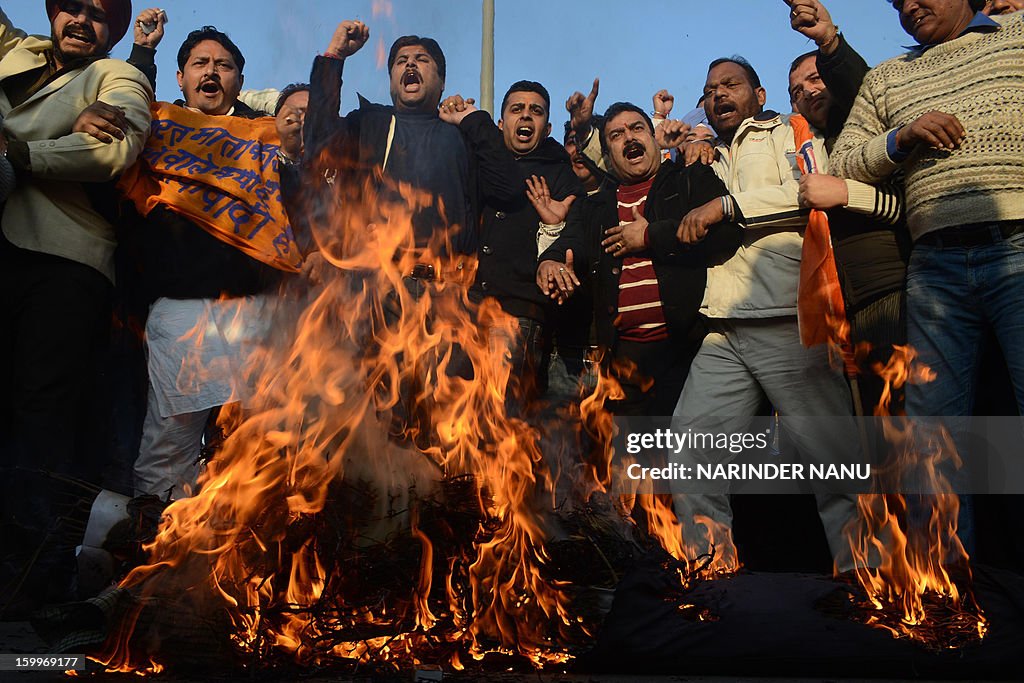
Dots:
{"x": 653, "y": 512}
{"x": 902, "y": 563}
{"x": 352, "y": 360}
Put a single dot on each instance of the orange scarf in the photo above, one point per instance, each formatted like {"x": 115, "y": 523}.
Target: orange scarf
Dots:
{"x": 220, "y": 172}
{"x": 820, "y": 309}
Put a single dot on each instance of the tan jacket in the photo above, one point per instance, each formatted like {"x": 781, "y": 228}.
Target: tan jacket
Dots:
{"x": 760, "y": 170}
{"x": 51, "y": 212}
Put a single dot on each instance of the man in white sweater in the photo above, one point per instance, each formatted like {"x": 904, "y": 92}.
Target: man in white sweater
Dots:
{"x": 950, "y": 115}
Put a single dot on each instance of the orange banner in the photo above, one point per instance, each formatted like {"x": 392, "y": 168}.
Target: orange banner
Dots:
{"x": 220, "y": 172}
{"x": 821, "y": 311}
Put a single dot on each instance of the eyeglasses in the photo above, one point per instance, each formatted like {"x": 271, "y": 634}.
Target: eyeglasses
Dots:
{"x": 76, "y": 7}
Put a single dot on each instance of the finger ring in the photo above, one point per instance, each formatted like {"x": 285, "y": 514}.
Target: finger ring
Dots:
{"x": 618, "y": 245}
{"x": 561, "y": 270}
{"x": 793, "y": 13}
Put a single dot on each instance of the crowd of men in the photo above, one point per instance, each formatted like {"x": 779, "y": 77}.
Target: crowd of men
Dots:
{"x": 679, "y": 248}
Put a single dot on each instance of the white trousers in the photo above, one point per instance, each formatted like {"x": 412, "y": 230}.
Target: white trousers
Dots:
{"x": 197, "y": 353}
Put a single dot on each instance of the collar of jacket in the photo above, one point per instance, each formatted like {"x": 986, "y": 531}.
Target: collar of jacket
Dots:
{"x": 766, "y": 120}
{"x": 548, "y": 151}
{"x": 607, "y": 192}
{"x": 56, "y": 80}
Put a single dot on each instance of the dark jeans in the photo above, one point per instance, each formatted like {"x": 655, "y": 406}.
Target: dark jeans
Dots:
{"x": 528, "y": 378}
{"x": 56, "y": 315}
{"x": 954, "y": 295}
{"x": 570, "y": 376}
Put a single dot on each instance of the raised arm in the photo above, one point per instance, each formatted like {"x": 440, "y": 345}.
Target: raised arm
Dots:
{"x": 323, "y": 120}
{"x": 149, "y": 31}
{"x": 839, "y": 65}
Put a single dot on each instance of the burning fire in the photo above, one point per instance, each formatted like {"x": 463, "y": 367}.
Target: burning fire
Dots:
{"x": 375, "y": 502}
{"x": 904, "y": 553}
{"x": 652, "y": 512}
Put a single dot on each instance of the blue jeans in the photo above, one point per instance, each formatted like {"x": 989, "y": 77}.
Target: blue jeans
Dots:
{"x": 953, "y": 295}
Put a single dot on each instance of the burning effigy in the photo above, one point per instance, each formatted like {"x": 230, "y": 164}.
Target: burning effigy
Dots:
{"x": 370, "y": 504}
{"x": 374, "y": 504}
{"x": 382, "y": 498}
{"x": 384, "y": 493}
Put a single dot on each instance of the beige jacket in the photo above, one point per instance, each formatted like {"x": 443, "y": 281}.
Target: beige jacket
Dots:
{"x": 51, "y": 212}
{"x": 760, "y": 170}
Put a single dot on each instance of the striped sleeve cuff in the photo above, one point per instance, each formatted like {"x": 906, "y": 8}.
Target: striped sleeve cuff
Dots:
{"x": 728, "y": 207}
{"x": 882, "y": 203}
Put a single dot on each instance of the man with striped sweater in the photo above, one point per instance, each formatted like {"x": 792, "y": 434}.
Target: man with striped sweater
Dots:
{"x": 647, "y": 285}
{"x": 950, "y": 115}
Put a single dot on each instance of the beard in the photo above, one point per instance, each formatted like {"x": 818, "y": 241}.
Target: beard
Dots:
{"x": 65, "y": 60}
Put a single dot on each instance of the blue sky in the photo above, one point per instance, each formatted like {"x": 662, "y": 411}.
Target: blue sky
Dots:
{"x": 635, "y": 47}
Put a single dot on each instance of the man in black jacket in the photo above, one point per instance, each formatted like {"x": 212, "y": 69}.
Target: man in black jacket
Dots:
{"x": 509, "y": 229}
{"x": 871, "y": 251}
{"x": 647, "y": 285}
{"x": 454, "y": 155}
{"x": 410, "y": 162}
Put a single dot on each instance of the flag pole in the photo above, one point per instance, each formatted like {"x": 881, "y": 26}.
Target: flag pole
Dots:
{"x": 487, "y": 59}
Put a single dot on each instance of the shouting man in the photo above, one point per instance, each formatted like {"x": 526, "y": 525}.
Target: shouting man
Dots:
{"x": 56, "y": 260}
{"x": 511, "y": 231}
{"x": 449, "y": 153}
{"x": 647, "y": 285}
{"x": 753, "y": 352}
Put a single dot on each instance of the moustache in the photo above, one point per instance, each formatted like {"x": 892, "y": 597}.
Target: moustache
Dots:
{"x": 76, "y": 30}
{"x": 632, "y": 146}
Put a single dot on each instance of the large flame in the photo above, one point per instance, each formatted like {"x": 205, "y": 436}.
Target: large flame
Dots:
{"x": 365, "y": 425}
{"x": 908, "y": 558}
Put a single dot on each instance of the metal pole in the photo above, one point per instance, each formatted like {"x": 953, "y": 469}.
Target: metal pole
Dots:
{"x": 487, "y": 59}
